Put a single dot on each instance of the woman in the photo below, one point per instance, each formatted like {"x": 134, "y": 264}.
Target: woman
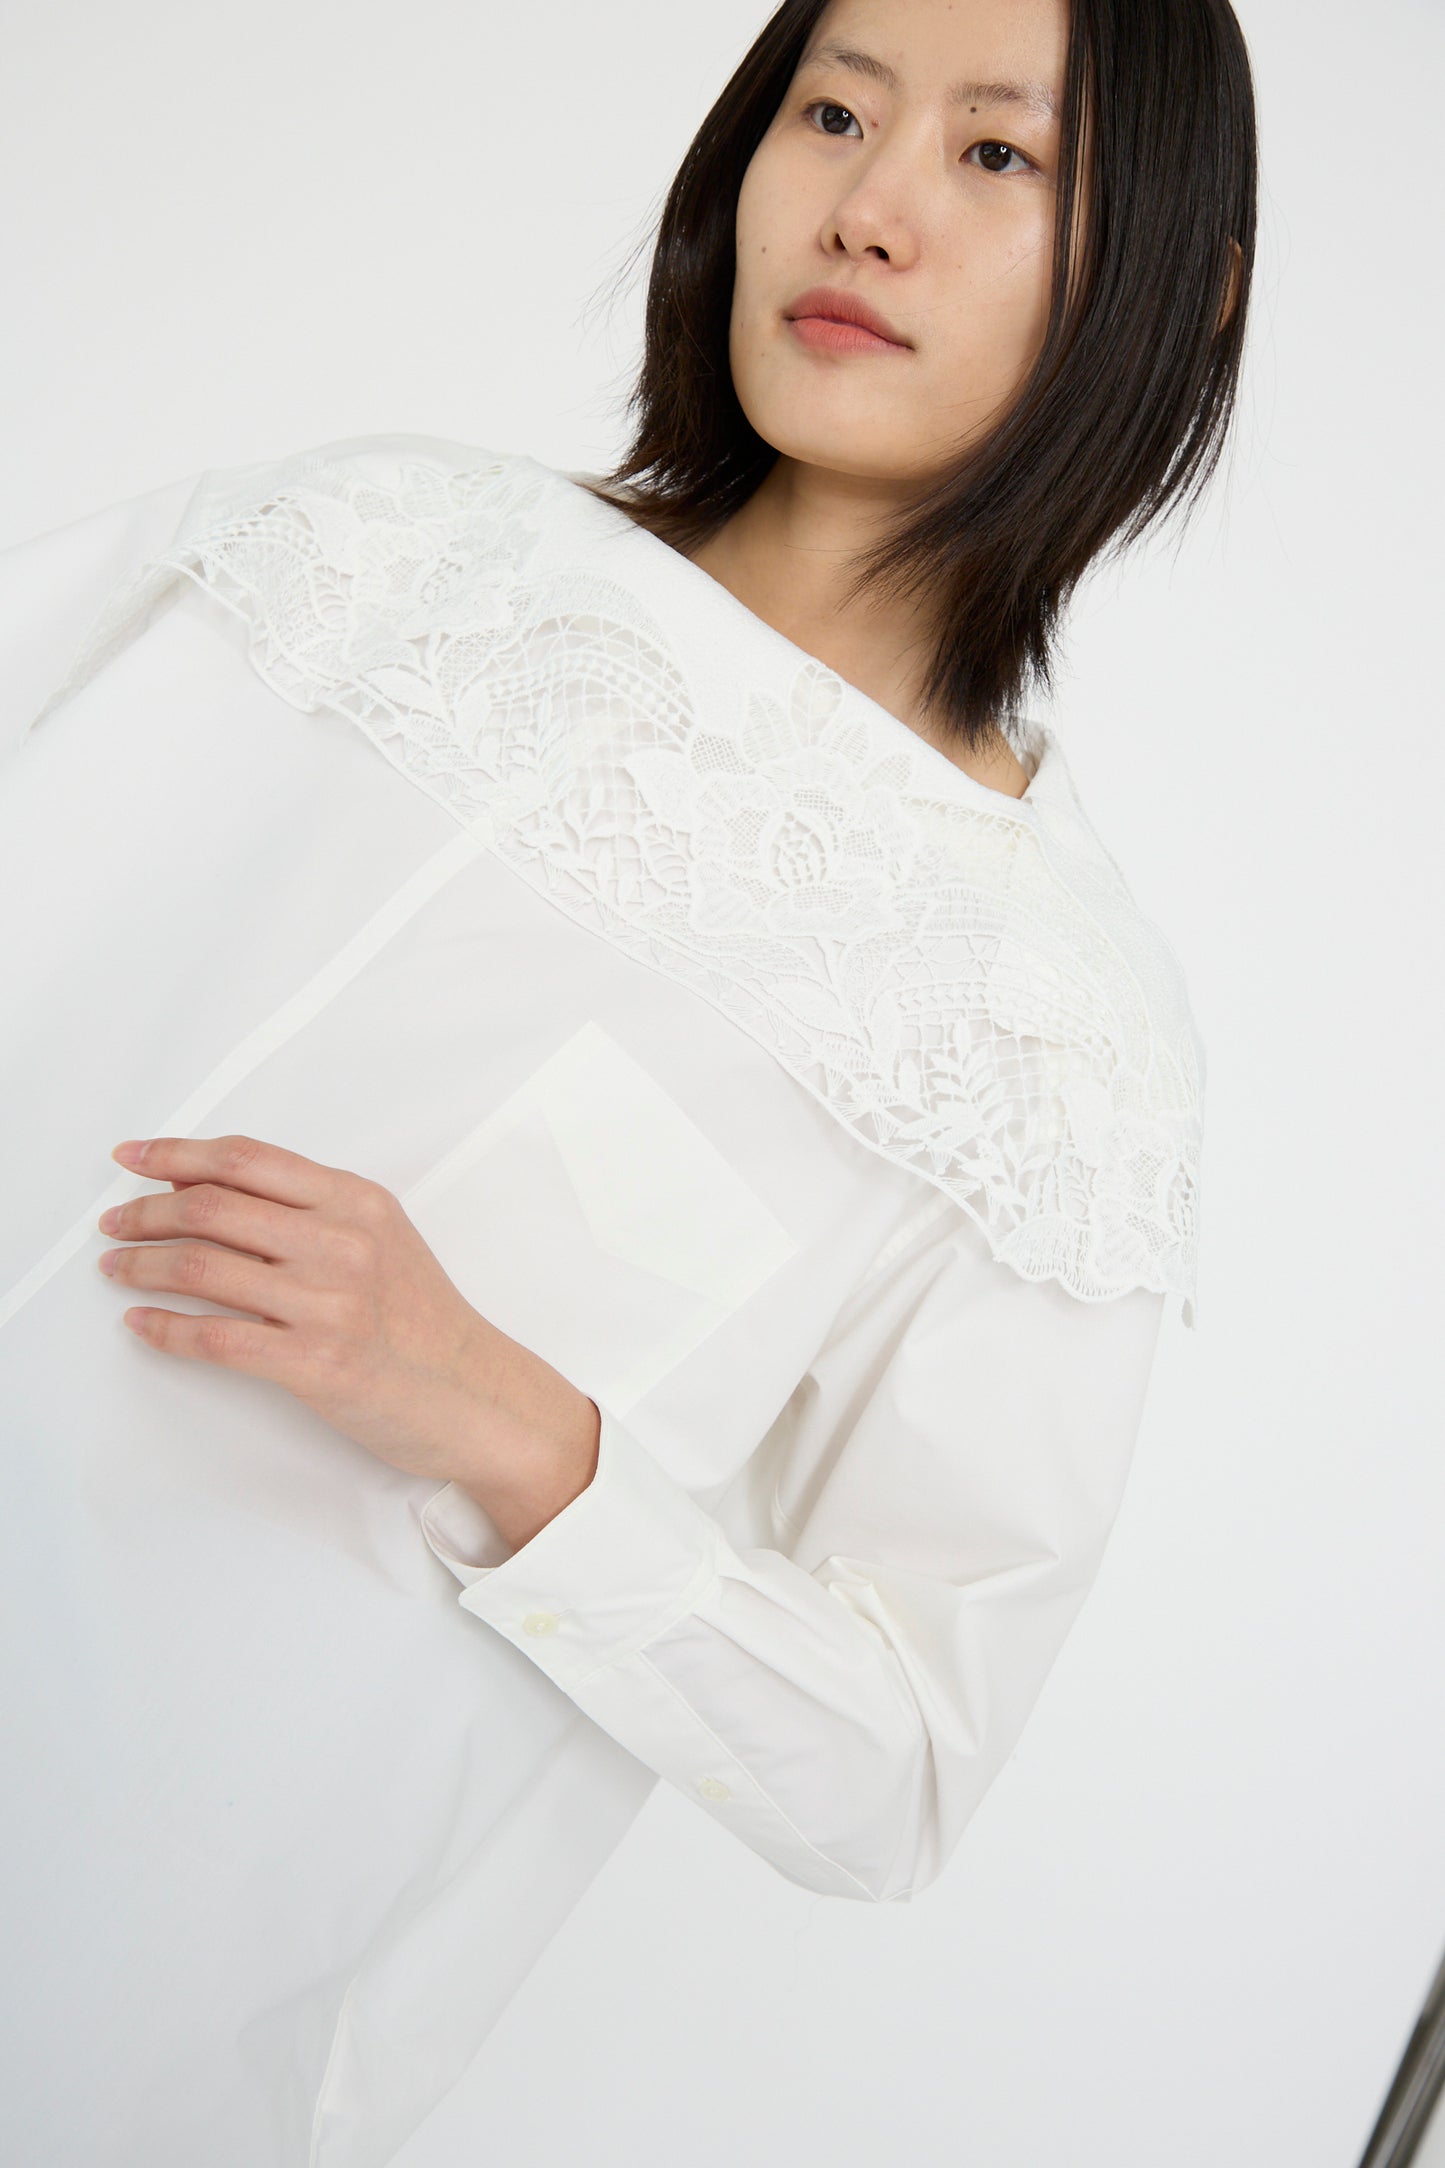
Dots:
{"x": 659, "y": 1192}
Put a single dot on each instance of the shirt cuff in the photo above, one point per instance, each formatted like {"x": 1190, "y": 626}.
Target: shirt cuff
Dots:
{"x": 622, "y": 1562}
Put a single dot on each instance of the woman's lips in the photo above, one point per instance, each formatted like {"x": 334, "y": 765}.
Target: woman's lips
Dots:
{"x": 830, "y": 336}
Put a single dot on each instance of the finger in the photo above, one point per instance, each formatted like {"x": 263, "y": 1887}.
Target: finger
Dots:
{"x": 189, "y": 1268}
{"x": 233, "y": 1343}
{"x": 275, "y": 1232}
{"x": 239, "y": 1162}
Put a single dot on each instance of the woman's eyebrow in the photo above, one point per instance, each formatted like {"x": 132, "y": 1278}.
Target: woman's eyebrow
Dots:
{"x": 1036, "y": 96}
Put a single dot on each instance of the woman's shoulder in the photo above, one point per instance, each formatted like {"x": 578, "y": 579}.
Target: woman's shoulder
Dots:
{"x": 394, "y": 461}
{"x": 407, "y": 446}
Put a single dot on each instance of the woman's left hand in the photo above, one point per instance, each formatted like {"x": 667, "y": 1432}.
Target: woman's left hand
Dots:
{"x": 352, "y": 1312}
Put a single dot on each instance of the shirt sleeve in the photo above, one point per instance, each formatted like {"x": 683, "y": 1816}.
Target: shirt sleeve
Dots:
{"x": 937, "y": 1492}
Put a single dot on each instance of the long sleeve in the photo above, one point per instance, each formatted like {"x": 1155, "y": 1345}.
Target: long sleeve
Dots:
{"x": 939, "y": 1491}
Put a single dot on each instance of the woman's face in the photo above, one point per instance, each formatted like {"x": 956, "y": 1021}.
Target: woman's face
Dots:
{"x": 917, "y": 174}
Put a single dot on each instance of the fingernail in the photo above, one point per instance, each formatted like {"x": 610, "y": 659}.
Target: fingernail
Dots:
{"x": 107, "y": 1263}
{"x": 132, "y": 1151}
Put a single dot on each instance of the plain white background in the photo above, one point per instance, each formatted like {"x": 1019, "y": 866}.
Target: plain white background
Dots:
{"x": 1196, "y": 1915}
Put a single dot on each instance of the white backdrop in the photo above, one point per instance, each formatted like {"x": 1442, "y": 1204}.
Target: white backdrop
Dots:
{"x": 1195, "y": 1917}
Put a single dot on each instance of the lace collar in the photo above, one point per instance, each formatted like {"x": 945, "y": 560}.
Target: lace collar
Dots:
{"x": 961, "y": 977}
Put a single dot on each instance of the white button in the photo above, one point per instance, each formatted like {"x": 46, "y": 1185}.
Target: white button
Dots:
{"x": 540, "y": 1622}
{"x": 711, "y": 1789}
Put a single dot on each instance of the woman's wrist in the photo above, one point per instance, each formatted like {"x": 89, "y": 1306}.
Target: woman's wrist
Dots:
{"x": 538, "y": 1442}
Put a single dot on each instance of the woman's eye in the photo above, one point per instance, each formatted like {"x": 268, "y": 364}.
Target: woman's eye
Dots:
{"x": 827, "y": 108}
{"x": 994, "y": 157}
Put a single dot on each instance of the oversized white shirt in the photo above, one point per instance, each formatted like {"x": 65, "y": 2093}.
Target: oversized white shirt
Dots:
{"x": 830, "y": 1119}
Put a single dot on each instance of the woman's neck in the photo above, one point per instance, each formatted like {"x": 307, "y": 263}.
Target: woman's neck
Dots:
{"x": 785, "y": 555}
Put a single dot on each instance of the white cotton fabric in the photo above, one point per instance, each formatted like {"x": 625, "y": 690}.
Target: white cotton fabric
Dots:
{"x": 402, "y": 805}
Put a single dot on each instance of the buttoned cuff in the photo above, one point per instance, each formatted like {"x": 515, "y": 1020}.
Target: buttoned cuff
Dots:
{"x": 622, "y": 1562}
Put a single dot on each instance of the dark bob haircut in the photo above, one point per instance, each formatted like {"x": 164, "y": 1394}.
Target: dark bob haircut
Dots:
{"x": 1122, "y": 418}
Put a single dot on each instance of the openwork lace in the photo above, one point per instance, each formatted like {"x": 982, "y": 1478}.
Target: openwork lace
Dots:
{"x": 963, "y": 979}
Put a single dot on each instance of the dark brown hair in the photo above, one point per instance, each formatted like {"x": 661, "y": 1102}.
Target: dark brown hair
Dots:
{"x": 1122, "y": 418}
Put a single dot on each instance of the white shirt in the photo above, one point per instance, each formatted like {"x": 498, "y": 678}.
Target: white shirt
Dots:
{"x": 830, "y": 1119}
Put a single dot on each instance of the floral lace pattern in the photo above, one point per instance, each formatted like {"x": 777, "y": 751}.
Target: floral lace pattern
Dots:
{"x": 962, "y": 978}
